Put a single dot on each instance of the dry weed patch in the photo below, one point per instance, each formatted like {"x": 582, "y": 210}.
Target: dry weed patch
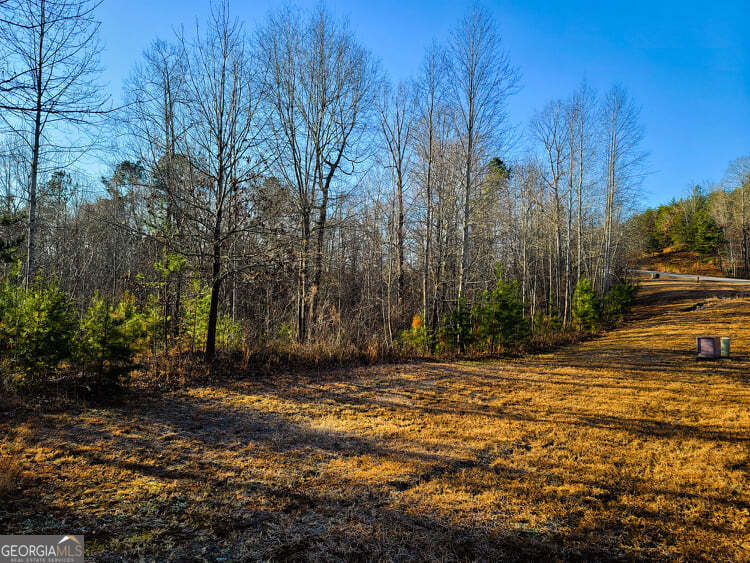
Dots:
{"x": 10, "y": 476}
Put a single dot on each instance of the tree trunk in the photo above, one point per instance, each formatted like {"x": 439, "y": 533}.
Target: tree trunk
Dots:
{"x": 178, "y": 305}
{"x": 400, "y": 242}
{"x": 567, "y": 256}
{"x": 213, "y": 312}
{"x": 31, "y": 236}
{"x": 34, "y": 173}
{"x": 464, "y": 263}
{"x": 437, "y": 296}
{"x": 318, "y": 265}
{"x": 302, "y": 276}
{"x": 428, "y": 240}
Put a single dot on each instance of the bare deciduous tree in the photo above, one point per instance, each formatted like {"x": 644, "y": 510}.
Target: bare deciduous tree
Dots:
{"x": 583, "y": 135}
{"x": 396, "y": 127}
{"x": 320, "y": 86}
{"x": 550, "y": 130}
{"x": 430, "y": 106}
{"x": 52, "y": 49}
{"x": 220, "y": 142}
{"x": 624, "y": 160}
{"x": 481, "y": 77}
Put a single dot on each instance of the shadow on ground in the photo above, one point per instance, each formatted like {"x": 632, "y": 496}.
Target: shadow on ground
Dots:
{"x": 622, "y": 447}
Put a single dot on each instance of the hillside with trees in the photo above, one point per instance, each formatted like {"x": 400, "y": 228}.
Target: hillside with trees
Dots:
{"x": 705, "y": 232}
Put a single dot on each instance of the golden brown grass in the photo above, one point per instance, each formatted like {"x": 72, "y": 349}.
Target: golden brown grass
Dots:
{"x": 621, "y": 447}
{"x": 10, "y": 475}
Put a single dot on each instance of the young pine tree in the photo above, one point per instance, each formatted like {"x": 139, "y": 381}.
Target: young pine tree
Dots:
{"x": 617, "y": 302}
{"x": 38, "y": 326}
{"x": 109, "y": 337}
{"x": 499, "y": 315}
{"x": 586, "y": 306}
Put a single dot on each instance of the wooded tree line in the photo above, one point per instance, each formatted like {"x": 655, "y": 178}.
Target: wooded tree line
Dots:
{"x": 715, "y": 222}
{"x": 272, "y": 178}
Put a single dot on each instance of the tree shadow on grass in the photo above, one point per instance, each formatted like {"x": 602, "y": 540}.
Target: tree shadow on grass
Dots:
{"x": 299, "y": 518}
{"x": 353, "y": 521}
{"x": 639, "y": 426}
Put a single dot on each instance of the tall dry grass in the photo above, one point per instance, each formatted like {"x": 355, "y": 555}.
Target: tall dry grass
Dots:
{"x": 10, "y": 475}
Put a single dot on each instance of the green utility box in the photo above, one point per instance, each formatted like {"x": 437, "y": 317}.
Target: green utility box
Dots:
{"x": 724, "y": 346}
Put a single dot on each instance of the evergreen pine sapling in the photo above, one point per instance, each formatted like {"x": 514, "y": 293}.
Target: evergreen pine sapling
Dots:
{"x": 586, "y": 309}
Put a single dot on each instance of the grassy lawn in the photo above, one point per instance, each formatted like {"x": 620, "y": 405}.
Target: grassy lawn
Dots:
{"x": 623, "y": 446}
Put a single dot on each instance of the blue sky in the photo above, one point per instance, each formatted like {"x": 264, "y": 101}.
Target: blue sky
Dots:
{"x": 686, "y": 63}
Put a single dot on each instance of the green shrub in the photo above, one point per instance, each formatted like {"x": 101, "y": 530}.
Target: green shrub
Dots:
{"x": 108, "y": 339}
{"x": 618, "y": 301}
{"x": 586, "y": 309}
{"x": 415, "y": 338}
{"x": 229, "y": 333}
{"x": 38, "y": 326}
{"x": 285, "y": 333}
{"x": 499, "y": 316}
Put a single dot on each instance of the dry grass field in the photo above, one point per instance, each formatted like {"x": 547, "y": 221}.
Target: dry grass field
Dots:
{"x": 621, "y": 447}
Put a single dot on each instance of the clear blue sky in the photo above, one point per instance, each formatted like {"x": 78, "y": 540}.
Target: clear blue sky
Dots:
{"x": 687, "y": 63}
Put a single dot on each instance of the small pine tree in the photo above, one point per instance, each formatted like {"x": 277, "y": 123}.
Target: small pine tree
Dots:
{"x": 546, "y": 325}
{"x": 108, "y": 338}
{"x": 132, "y": 322}
{"x": 499, "y": 315}
{"x": 586, "y": 306}
{"x": 708, "y": 236}
{"x": 618, "y": 301}
{"x": 39, "y": 327}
